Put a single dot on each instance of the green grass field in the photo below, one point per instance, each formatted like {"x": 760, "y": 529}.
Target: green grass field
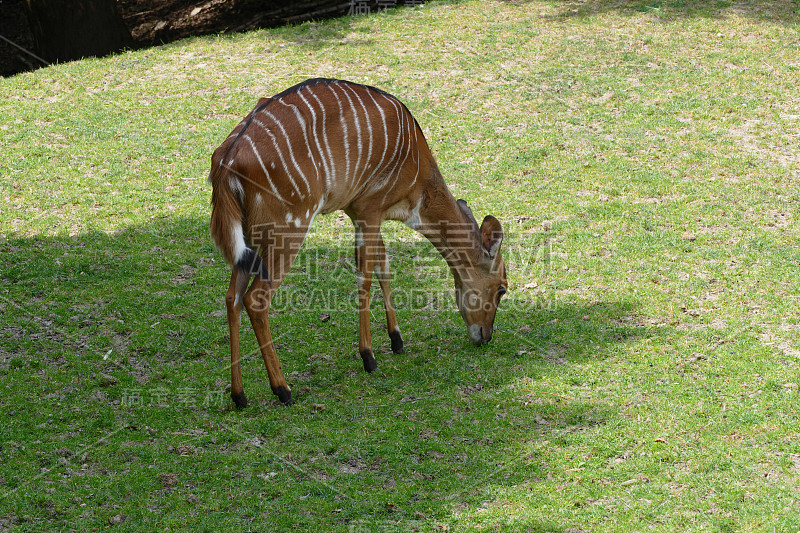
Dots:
{"x": 644, "y": 158}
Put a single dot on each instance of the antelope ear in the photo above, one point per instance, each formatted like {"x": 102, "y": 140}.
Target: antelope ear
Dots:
{"x": 467, "y": 211}
{"x": 491, "y": 235}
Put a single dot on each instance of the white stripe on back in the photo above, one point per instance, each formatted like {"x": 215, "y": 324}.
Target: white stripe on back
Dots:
{"x": 288, "y": 145}
{"x": 358, "y": 131}
{"x": 264, "y": 168}
{"x": 326, "y": 170}
{"x": 303, "y": 128}
{"x": 331, "y": 178}
{"x": 345, "y": 135}
{"x": 385, "y": 132}
{"x": 369, "y": 127}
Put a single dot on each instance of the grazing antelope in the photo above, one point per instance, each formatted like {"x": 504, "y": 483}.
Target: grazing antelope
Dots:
{"x": 322, "y": 146}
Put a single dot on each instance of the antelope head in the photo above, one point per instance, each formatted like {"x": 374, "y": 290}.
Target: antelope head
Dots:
{"x": 482, "y": 283}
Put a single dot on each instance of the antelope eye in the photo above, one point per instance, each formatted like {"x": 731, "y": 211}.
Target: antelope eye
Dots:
{"x": 501, "y": 291}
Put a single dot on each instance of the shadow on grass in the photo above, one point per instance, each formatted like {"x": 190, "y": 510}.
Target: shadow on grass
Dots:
{"x": 436, "y": 437}
{"x": 80, "y": 292}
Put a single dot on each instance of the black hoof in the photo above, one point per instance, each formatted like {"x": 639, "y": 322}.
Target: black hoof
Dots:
{"x": 369, "y": 361}
{"x": 239, "y": 400}
{"x": 397, "y": 342}
{"x": 283, "y": 394}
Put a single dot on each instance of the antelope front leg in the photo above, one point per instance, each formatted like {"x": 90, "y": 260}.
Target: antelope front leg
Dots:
{"x": 383, "y": 273}
{"x": 233, "y": 305}
{"x": 366, "y": 247}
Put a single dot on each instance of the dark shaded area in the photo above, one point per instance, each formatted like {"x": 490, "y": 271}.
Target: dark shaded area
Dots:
{"x": 154, "y": 22}
{"x": 16, "y": 39}
{"x": 64, "y": 30}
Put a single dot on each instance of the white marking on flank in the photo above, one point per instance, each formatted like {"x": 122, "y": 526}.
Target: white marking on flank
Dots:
{"x": 239, "y": 245}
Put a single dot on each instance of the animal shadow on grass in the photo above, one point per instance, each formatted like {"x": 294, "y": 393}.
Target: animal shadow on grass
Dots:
{"x": 155, "y": 291}
{"x": 143, "y": 306}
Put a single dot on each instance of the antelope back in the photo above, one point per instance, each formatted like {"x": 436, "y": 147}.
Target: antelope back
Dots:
{"x": 320, "y": 146}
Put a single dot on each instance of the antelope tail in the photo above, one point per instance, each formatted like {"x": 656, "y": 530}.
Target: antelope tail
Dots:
{"x": 228, "y": 221}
